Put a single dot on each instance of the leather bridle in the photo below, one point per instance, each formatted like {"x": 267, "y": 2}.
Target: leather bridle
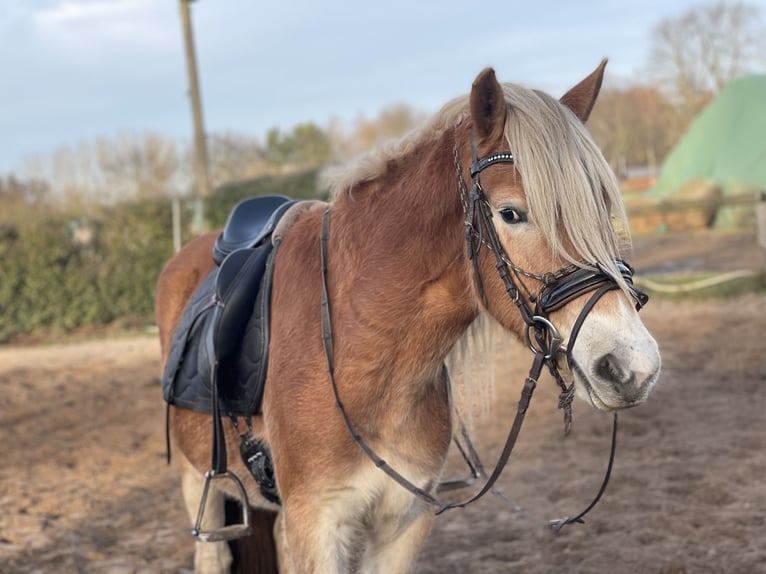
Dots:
{"x": 557, "y": 288}
{"x": 543, "y": 339}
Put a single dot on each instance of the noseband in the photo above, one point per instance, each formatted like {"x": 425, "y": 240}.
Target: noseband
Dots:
{"x": 543, "y": 338}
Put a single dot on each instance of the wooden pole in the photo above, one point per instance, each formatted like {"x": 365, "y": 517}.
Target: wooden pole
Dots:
{"x": 200, "y": 147}
{"x": 760, "y": 216}
{"x": 176, "y": 210}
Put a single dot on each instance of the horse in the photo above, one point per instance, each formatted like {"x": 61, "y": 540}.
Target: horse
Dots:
{"x": 397, "y": 267}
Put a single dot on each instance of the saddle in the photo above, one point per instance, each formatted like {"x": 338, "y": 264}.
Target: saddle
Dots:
{"x": 219, "y": 352}
{"x": 230, "y": 306}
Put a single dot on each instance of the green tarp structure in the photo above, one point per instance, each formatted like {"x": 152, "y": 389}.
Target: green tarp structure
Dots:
{"x": 725, "y": 144}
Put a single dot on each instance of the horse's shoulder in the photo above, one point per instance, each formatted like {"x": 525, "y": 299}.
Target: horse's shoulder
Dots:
{"x": 299, "y": 234}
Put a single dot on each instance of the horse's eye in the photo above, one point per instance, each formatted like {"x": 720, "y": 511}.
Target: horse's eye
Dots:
{"x": 513, "y": 216}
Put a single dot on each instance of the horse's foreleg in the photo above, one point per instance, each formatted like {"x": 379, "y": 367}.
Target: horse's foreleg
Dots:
{"x": 313, "y": 538}
{"x": 397, "y": 554}
{"x": 209, "y": 557}
{"x": 280, "y": 540}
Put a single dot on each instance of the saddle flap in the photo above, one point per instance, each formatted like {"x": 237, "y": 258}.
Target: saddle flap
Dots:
{"x": 229, "y": 270}
{"x": 237, "y": 284}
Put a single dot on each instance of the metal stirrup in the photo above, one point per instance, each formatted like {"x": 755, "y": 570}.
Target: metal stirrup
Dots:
{"x": 232, "y": 531}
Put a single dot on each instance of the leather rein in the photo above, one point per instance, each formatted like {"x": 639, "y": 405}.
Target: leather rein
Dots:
{"x": 543, "y": 339}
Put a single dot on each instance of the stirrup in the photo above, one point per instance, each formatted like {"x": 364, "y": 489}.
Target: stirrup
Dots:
{"x": 455, "y": 484}
{"x": 232, "y": 531}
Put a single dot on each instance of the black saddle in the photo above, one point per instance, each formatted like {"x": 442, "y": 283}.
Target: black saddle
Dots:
{"x": 231, "y": 305}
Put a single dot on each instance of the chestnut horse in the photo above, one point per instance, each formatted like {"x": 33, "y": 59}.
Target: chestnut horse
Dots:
{"x": 402, "y": 291}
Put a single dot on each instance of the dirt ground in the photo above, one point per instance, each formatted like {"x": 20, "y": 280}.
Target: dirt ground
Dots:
{"x": 84, "y": 486}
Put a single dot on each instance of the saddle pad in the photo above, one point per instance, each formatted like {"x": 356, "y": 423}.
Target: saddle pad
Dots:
{"x": 241, "y": 374}
{"x": 186, "y": 381}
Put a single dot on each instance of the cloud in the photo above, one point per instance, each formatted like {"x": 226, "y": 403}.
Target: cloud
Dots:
{"x": 72, "y": 12}
{"x": 88, "y": 27}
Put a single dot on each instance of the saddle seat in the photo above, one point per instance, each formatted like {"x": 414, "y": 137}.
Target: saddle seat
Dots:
{"x": 249, "y": 223}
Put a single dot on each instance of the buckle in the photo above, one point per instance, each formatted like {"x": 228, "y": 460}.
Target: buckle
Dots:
{"x": 553, "y": 338}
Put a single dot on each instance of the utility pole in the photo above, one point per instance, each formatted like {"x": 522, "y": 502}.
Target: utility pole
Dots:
{"x": 200, "y": 147}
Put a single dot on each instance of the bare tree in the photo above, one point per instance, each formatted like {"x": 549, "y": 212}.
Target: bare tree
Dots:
{"x": 137, "y": 166}
{"x": 234, "y": 157}
{"x": 634, "y": 125}
{"x": 26, "y": 192}
{"x": 305, "y": 146}
{"x": 694, "y": 55}
{"x": 391, "y": 123}
{"x": 70, "y": 172}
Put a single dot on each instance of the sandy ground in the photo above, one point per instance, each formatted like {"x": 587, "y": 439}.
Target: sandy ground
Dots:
{"x": 84, "y": 486}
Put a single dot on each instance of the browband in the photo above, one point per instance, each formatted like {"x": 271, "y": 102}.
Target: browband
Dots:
{"x": 487, "y": 160}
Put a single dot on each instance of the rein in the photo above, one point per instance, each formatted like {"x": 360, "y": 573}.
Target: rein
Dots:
{"x": 327, "y": 336}
{"x": 543, "y": 339}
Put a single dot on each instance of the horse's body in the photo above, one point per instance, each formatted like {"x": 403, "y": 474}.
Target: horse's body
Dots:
{"x": 402, "y": 292}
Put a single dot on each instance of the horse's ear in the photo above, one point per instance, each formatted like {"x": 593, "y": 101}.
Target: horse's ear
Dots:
{"x": 581, "y": 98}
{"x": 487, "y": 109}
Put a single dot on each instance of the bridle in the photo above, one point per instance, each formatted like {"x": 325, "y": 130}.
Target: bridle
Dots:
{"x": 557, "y": 288}
{"x": 543, "y": 339}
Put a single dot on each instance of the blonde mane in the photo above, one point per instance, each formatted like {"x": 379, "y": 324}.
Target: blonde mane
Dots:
{"x": 567, "y": 181}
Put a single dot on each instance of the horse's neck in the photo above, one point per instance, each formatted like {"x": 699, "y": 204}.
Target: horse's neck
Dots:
{"x": 401, "y": 287}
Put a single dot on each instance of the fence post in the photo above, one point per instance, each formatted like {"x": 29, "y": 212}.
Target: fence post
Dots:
{"x": 176, "y": 205}
{"x": 760, "y": 215}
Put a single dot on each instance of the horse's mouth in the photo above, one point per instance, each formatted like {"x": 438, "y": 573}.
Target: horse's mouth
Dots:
{"x": 593, "y": 395}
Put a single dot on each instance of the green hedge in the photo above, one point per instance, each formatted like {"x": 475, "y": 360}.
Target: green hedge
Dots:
{"x": 298, "y": 186}
{"x": 51, "y": 281}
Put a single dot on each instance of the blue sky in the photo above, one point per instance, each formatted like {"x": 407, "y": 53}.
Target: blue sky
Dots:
{"x": 73, "y": 70}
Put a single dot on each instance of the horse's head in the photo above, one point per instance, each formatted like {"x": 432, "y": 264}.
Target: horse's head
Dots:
{"x": 540, "y": 182}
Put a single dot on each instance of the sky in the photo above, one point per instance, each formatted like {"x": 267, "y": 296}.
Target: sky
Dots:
{"x": 75, "y": 70}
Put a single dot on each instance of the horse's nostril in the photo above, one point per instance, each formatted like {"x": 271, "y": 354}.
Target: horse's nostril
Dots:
{"x": 608, "y": 368}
